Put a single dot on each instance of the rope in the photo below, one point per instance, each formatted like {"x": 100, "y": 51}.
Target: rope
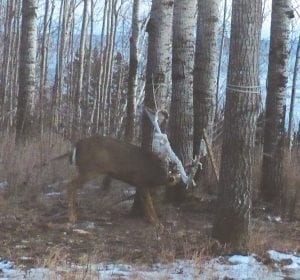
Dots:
{"x": 244, "y": 89}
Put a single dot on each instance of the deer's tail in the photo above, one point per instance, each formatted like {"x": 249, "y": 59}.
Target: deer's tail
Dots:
{"x": 72, "y": 156}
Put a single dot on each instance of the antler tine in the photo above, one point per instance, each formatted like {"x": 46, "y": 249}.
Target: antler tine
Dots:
{"x": 194, "y": 167}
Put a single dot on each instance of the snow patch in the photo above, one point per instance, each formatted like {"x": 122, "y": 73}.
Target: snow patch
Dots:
{"x": 238, "y": 267}
{"x": 225, "y": 267}
{"x": 293, "y": 261}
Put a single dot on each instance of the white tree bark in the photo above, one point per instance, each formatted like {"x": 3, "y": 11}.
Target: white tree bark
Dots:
{"x": 27, "y": 70}
{"x": 293, "y": 95}
{"x": 65, "y": 13}
{"x": 205, "y": 72}
{"x": 78, "y": 91}
{"x": 47, "y": 21}
{"x": 158, "y": 69}
{"x": 181, "y": 110}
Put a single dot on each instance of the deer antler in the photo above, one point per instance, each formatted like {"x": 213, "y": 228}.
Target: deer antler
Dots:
{"x": 162, "y": 147}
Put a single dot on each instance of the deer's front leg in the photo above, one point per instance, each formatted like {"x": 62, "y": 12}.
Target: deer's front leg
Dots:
{"x": 72, "y": 201}
{"x": 149, "y": 209}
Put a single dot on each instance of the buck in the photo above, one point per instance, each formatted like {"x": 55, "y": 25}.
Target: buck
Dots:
{"x": 98, "y": 155}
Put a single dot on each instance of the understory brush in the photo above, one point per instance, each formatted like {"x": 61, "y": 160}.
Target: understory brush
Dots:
{"x": 25, "y": 170}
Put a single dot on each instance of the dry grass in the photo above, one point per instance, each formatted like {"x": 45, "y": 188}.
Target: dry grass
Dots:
{"x": 56, "y": 256}
{"x": 292, "y": 178}
{"x": 258, "y": 240}
{"x": 27, "y": 169}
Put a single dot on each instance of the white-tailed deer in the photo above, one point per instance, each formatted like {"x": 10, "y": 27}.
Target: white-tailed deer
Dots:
{"x": 98, "y": 155}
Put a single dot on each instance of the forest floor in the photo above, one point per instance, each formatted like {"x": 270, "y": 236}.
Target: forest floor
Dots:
{"x": 35, "y": 232}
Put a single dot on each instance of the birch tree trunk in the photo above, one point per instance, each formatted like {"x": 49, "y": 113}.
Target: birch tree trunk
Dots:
{"x": 109, "y": 70}
{"x": 15, "y": 64}
{"x": 96, "y": 115}
{"x": 97, "y": 103}
{"x": 88, "y": 77}
{"x": 232, "y": 219}
{"x": 273, "y": 148}
{"x": 76, "y": 129}
{"x": 132, "y": 75}
{"x": 59, "y": 74}
{"x": 44, "y": 59}
{"x": 220, "y": 61}
{"x": 205, "y": 72}
{"x": 181, "y": 110}
{"x": 293, "y": 95}
{"x": 205, "y": 77}
{"x": 26, "y": 71}
{"x": 71, "y": 76}
{"x": 158, "y": 72}
{"x": 105, "y": 66}
{"x": 158, "y": 69}
{"x": 7, "y": 55}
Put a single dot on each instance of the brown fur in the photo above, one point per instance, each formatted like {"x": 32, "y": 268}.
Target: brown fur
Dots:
{"x": 98, "y": 155}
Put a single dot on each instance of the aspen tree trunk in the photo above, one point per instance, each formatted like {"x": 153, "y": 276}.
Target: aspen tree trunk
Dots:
{"x": 109, "y": 71}
{"x": 43, "y": 65}
{"x": 158, "y": 72}
{"x": 85, "y": 115}
{"x": 26, "y": 71}
{"x": 293, "y": 95}
{"x": 96, "y": 115}
{"x": 119, "y": 106}
{"x": 59, "y": 74}
{"x": 232, "y": 218}
{"x": 181, "y": 110}
{"x": 220, "y": 61}
{"x": 205, "y": 77}
{"x": 7, "y": 59}
{"x": 159, "y": 59}
{"x": 78, "y": 92}
{"x": 205, "y": 72}
{"x": 44, "y": 59}
{"x": 54, "y": 109}
{"x": 132, "y": 75}
{"x": 273, "y": 148}
{"x": 15, "y": 63}
{"x": 71, "y": 77}
{"x": 104, "y": 67}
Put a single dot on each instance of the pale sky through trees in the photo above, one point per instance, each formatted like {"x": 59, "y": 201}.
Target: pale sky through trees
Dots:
{"x": 145, "y": 9}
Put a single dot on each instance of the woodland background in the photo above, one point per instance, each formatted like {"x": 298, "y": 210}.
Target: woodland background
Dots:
{"x": 71, "y": 69}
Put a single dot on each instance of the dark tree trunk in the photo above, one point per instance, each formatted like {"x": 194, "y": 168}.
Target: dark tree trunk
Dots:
{"x": 232, "y": 219}
{"x": 132, "y": 75}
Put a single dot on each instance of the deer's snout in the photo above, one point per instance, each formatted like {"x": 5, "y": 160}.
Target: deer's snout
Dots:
{"x": 174, "y": 179}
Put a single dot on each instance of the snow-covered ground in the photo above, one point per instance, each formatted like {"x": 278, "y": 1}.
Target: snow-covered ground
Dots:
{"x": 281, "y": 266}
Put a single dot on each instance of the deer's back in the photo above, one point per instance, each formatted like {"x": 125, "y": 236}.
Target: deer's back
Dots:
{"x": 123, "y": 161}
